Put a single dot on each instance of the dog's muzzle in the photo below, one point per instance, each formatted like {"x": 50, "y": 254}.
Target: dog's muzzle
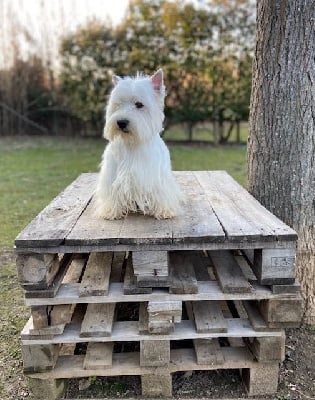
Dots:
{"x": 123, "y": 125}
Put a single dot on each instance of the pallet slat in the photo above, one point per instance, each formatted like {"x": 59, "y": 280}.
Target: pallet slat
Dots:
{"x": 98, "y": 356}
{"x": 207, "y": 290}
{"x": 95, "y": 281}
{"x": 129, "y": 364}
{"x": 54, "y": 223}
{"x": 129, "y": 331}
{"x": 208, "y": 317}
{"x": 183, "y": 278}
{"x": 208, "y": 351}
{"x": 228, "y": 272}
{"x": 98, "y": 320}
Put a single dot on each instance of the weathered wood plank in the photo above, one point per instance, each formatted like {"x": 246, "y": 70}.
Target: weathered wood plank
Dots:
{"x": 129, "y": 331}
{"x": 162, "y": 316}
{"x": 36, "y": 271}
{"x": 156, "y": 385}
{"x": 154, "y": 353}
{"x": 143, "y": 318}
{"x": 261, "y": 379}
{"x": 75, "y": 269}
{"x": 38, "y": 358}
{"x": 98, "y": 356}
{"x": 208, "y": 317}
{"x": 148, "y": 263}
{"x": 53, "y": 224}
{"x": 183, "y": 278}
{"x": 268, "y": 349}
{"x": 145, "y": 281}
{"x": 207, "y": 290}
{"x": 98, "y": 320}
{"x": 208, "y": 351}
{"x": 93, "y": 230}
{"x": 40, "y": 315}
{"x": 95, "y": 281}
{"x": 274, "y": 266}
{"x": 285, "y": 313}
{"x": 241, "y": 215}
{"x": 62, "y": 314}
{"x": 54, "y": 287}
{"x": 228, "y": 272}
{"x": 128, "y": 364}
{"x": 295, "y": 288}
{"x": 254, "y": 316}
{"x": 140, "y": 229}
{"x": 197, "y": 221}
{"x": 130, "y": 282}
{"x": 165, "y": 310}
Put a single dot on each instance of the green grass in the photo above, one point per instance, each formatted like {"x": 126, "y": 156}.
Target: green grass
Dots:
{"x": 203, "y": 132}
{"x": 35, "y": 169}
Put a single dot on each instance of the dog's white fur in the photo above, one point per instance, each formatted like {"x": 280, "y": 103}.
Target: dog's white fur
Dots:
{"x": 136, "y": 173}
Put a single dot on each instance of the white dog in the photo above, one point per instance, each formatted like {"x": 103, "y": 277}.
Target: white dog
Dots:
{"x": 136, "y": 173}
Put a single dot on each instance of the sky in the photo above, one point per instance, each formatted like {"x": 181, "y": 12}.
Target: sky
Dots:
{"x": 30, "y": 22}
{"x": 38, "y": 25}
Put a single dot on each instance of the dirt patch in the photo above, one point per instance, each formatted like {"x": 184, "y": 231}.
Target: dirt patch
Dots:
{"x": 297, "y": 372}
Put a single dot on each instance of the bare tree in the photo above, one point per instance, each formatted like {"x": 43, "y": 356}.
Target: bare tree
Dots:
{"x": 281, "y": 149}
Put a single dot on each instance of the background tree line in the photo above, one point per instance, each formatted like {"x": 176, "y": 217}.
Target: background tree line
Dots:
{"x": 205, "y": 51}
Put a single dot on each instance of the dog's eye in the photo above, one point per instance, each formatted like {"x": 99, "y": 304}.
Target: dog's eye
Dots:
{"x": 138, "y": 104}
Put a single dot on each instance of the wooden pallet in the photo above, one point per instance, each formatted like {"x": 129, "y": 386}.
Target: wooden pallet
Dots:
{"x": 221, "y": 272}
{"x": 208, "y": 338}
{"x": 107, "y": 278}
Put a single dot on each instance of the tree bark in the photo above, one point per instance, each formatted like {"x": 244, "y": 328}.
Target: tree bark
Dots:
{"x": 281, "y": 150}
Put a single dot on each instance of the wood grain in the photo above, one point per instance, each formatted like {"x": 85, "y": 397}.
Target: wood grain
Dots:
{"x": 54, "y": 223}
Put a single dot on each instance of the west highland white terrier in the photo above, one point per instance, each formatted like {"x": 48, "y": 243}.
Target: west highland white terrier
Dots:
{"x": 136, "y": 174}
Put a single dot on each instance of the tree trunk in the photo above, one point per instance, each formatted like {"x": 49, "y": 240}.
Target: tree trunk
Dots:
{"x": 281, "y": 149}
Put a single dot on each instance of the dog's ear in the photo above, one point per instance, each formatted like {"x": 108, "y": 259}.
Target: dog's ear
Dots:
{"x": 116, "y": 79}
{"x": 157, "y": 81}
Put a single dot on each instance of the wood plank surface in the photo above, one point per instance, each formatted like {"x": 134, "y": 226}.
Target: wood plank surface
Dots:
{"x": 53, "y": 224}
{"x": 197, "y": 221}
{"x": 140, "y": 229}
{"x": 208, "y": 351}
{"x": 153, "y": 263}
{"x": 130, "y": 282}
{"x": 98, "y": 355}
{"x": 57, "y": 281}
{"x": 183, "y": 278}
{"x": 254, "y": 316}
{"x": 129, "y": 331}
{"x": 98, "y": 320}
{"x": 208, "y": 317}
{"x": 216, "y": 210}
{"x": 95, "y": 281}
{"x": 93, "y": 230}
{"x": 154, "y": 353}
{"x": 228, "y": 272}
{"x": 240, "y": 214}
{"x": 207, "y": 290}
{"x": 128, "y": 364}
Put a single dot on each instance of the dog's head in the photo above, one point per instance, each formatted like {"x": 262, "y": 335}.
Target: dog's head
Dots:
{"x": 135, "y": 108}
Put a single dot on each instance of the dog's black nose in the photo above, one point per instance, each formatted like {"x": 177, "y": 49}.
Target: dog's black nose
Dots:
{"x": 122, "y": 124}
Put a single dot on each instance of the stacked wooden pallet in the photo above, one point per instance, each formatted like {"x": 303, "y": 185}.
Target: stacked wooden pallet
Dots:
{"x": 211, "y": 289}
